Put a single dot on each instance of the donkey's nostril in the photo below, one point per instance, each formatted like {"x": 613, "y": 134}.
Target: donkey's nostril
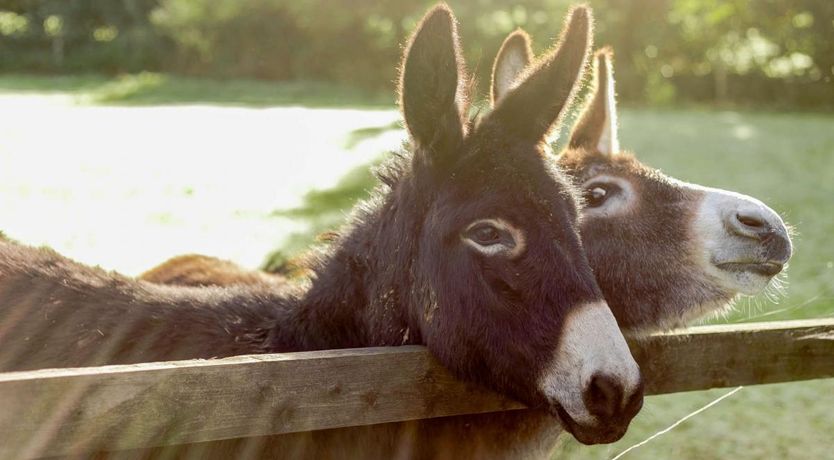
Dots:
{"x": 750, "y": 224}
{"x": 604, "y": 396}
{"x": 751, "y": 220}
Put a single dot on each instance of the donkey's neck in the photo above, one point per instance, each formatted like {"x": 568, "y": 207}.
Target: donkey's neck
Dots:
{"x": 362, "y": 292}
{"x": 57, "y": 313}
{"x": 329, "y": 314}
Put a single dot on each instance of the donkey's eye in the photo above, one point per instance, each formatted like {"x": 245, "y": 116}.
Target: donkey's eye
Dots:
{"x": 485, "y": 234}
{"x": 597, "y": 194}
{"x": 493, "y": 237}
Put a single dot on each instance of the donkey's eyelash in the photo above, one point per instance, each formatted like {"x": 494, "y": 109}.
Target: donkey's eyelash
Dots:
{"x": 618, "y": 195}
{"x": 607, "y": 186}
{"x": 511, "y": 241}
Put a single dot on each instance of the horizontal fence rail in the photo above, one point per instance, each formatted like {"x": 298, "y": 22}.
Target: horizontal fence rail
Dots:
{"x": 65, "y": 411}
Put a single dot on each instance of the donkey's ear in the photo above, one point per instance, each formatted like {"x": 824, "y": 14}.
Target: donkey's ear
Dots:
{"x": 513, "y": 57}
{"x": 537, "y": 104}
{"x": 431, "y": 90}
{"x": 596, "y": 130}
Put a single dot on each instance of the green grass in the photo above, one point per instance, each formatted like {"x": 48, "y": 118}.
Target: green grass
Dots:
{"x": 784, "y": 421}
{"x": 148, "y": 88}
{"x": 322, "y": 210}
{"x": 784, "y": 159}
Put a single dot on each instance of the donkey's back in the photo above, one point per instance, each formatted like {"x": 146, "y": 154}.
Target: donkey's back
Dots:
{"x": 55, "y": 312}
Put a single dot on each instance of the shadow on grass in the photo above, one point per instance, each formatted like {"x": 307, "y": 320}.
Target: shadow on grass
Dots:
{"x": 358, "y": 135}
{"x": 159, "y": 89}
{"x": 325, "y": 210}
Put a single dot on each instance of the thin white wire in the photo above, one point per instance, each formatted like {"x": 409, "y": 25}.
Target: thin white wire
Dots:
{"x": 671, "y": 427}
{"x": 783, "y": 310}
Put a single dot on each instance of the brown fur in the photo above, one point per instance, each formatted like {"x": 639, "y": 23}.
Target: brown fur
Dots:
{"x": 589, "y": 126}
{"x": 200, "y": 270}
{"x": 519, "y": 40}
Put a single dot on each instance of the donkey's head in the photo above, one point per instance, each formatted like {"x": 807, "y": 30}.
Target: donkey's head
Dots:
{"x": 663, "y": 251}
{"x": 502, "y": 292}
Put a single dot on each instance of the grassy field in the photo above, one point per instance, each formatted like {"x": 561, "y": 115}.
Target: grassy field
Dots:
{"x": 148, "y": 89}
{"x": 226, "y": 189}
{"x": 134, "y": 184}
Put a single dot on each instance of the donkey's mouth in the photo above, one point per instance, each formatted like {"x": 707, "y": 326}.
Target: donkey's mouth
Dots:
{"x": 768, "y": 269}
{"x": 589, "y": 435}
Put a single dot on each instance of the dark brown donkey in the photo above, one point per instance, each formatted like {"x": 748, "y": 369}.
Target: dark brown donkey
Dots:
{"x": 665, "y": 253}
{"x": 470, "y": 247}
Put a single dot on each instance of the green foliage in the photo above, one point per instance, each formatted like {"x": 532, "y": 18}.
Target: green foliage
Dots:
{"x": 774, "y": 52}
{"x": 230, "y": 38}
{"x": 13, "y": 24}
{"x": 79, "y": 35}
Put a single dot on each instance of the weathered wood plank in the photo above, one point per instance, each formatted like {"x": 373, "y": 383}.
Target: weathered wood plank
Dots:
{"x": 52, "y": 412}
{"x": 742, "y": 354}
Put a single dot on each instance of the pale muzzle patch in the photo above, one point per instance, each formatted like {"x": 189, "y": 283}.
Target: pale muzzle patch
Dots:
{"x": 591, "y": 344}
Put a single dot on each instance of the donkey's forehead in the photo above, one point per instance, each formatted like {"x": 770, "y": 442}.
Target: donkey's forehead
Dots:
{"x": 584, "y": 165}
{"x": 513, "y": 178}
{"x": 494, "y": 158}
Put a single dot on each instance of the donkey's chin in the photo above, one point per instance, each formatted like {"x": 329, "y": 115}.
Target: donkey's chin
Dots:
{"x": 604, "y": 433}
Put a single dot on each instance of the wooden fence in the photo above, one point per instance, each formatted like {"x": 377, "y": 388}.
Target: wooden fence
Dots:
{"x": 65, "y": 411}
